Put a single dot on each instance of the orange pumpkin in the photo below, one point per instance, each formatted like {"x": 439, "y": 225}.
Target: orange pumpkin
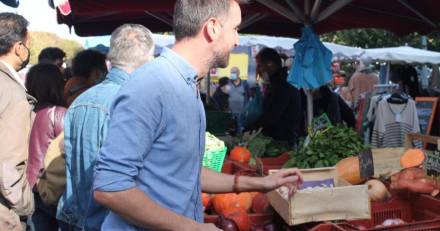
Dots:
{"x": 240, "y": 217}
{"x": 412, "y": 158}
{"x": 240, "y": 154}
{"x": 225, "y": 201}
{"x": 349, "y": 170}
{"x": 206, "y": 200}
{"x": 253, "y": 194}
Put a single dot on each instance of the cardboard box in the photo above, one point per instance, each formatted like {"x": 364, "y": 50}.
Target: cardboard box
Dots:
{"x": 342, "y": 202}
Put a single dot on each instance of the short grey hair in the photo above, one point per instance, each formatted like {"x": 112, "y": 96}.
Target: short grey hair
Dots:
{"x": 131, "y": 45}
{"x": 190, "y": 15}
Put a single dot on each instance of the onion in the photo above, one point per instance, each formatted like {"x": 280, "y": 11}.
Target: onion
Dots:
{"x": 270, "y": 226}
{"x": 226, "y": 224}
{"x": 389, "y": 222}
{"x": 257, "y": 228}
{"x": 377, "y": 190}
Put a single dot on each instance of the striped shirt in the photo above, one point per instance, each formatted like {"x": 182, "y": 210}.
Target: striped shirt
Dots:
{"x": 393, "y": 122}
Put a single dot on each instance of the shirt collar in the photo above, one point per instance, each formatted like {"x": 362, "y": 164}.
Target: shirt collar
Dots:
{"x": 117, "y": 75}
{"x": 14, "y": 74}
{"x": 188, "y": 73}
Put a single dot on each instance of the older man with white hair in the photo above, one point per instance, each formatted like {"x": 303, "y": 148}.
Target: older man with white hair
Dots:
{"x": 86, "y": 126}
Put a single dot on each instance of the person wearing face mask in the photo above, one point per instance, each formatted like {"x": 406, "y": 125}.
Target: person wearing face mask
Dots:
{"x": 16, "y": 118}
{"x": 88, "y": 69}
{"x": 238, "y": 96}
{"x": 282, "y": 116}
{"x": 221, "y": 95}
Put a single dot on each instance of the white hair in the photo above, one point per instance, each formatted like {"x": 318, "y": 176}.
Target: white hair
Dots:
{"x": 131, "y": 45}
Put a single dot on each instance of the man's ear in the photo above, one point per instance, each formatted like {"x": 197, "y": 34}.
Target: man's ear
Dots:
{"x": 16, "y": 48}
{"x": 212, "y": 29}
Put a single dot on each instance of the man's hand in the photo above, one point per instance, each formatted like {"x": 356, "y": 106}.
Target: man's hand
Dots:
{"x": 291, "y": 177}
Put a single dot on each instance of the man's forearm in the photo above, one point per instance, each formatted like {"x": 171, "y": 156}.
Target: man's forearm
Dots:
{"x": 215, "y": 182}
{"x": 137, "y": 208}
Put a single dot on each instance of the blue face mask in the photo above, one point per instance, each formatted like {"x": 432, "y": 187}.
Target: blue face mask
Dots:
{"x": 234, "y": 76}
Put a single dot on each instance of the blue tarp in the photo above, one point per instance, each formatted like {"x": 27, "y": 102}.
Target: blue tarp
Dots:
{"x": 312, "y": 65}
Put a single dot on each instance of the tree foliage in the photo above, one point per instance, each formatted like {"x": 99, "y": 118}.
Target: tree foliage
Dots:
{"x": 377, "y": 38}
{"x": 41, "y": 40}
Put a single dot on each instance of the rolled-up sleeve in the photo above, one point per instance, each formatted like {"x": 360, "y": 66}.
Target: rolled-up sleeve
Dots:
{"x": 135, "y": 118}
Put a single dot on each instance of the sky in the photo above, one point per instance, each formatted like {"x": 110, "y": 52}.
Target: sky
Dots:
{"x": 42, "y": 17}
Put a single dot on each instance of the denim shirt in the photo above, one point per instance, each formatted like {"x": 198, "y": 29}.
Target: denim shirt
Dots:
{"x": 156, "y": 140}
{"x": 85, "y": 126}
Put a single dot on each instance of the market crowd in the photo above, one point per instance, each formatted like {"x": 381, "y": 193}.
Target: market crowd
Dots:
{"x": 115, "y": 141}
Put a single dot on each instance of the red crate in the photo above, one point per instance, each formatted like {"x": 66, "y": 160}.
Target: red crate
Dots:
{"x": 265, "y": 163}
{"x": 420, "y": 212}
{"x": 268, "y": 163}
{"x": 326, "y": 227}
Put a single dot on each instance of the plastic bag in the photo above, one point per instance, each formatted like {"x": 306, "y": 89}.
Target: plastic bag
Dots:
{"x": 253, "y": 110}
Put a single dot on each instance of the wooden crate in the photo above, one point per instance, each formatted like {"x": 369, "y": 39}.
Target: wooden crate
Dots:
{"x": 424, "y": 138}
{"x": 386, "y": 160}
{"x": 342, "y": 202}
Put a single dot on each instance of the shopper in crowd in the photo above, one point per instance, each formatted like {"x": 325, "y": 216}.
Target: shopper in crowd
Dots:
{"x": 221, "y": 95}
{"x": 283, "y": 115}
{"x": 238, "y": 96}
{"x": 87, "y": 121}
{"x": 149, "y": 170}
{"x": 362, "y": 81}
{"x": 45, "y": 83}
{"x": 53, "y": 55}
{"x": 16, "y": 116}
{"x": 88, "y": 69}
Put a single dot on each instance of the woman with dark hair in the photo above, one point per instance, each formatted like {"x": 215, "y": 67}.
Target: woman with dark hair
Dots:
{"x": 221, "y": 95}
{"x": 45, "y": 83}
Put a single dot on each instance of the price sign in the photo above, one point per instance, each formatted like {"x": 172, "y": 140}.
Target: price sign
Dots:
{"x": 366, "y": 164}
{"x": 432, "y": 164}
{"x": 321, "y": 124}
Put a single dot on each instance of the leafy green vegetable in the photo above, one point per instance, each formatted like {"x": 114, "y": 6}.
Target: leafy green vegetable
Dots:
{"x": 326, "y": 149}
{"x": 257, "y": 146}
{"x": 266, "y": 146}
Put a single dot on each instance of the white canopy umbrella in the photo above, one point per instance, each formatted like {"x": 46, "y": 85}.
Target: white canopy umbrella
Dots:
{"x": 340, "y": 52}
{"x": 404, "y": 54}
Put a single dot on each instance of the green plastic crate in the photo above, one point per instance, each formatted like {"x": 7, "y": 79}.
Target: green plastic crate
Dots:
{"x": 214, "y": 159}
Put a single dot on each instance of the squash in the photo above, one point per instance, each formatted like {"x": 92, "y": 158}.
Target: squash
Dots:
{"x": 240, "y": 154}
{"x": 225, "y": 201}
{"x": 206, "y": 201}
{"x": 412, "y": 158}
{"x": 240, "y": 217}
{"x": 349, "y": 170}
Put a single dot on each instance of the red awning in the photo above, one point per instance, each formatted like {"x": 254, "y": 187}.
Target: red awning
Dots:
{"x": 269, "y": 17}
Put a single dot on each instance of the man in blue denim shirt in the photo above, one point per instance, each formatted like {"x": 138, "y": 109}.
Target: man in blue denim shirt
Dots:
{"x": 149, "y": 171}
{"x": 86, "y": 126}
